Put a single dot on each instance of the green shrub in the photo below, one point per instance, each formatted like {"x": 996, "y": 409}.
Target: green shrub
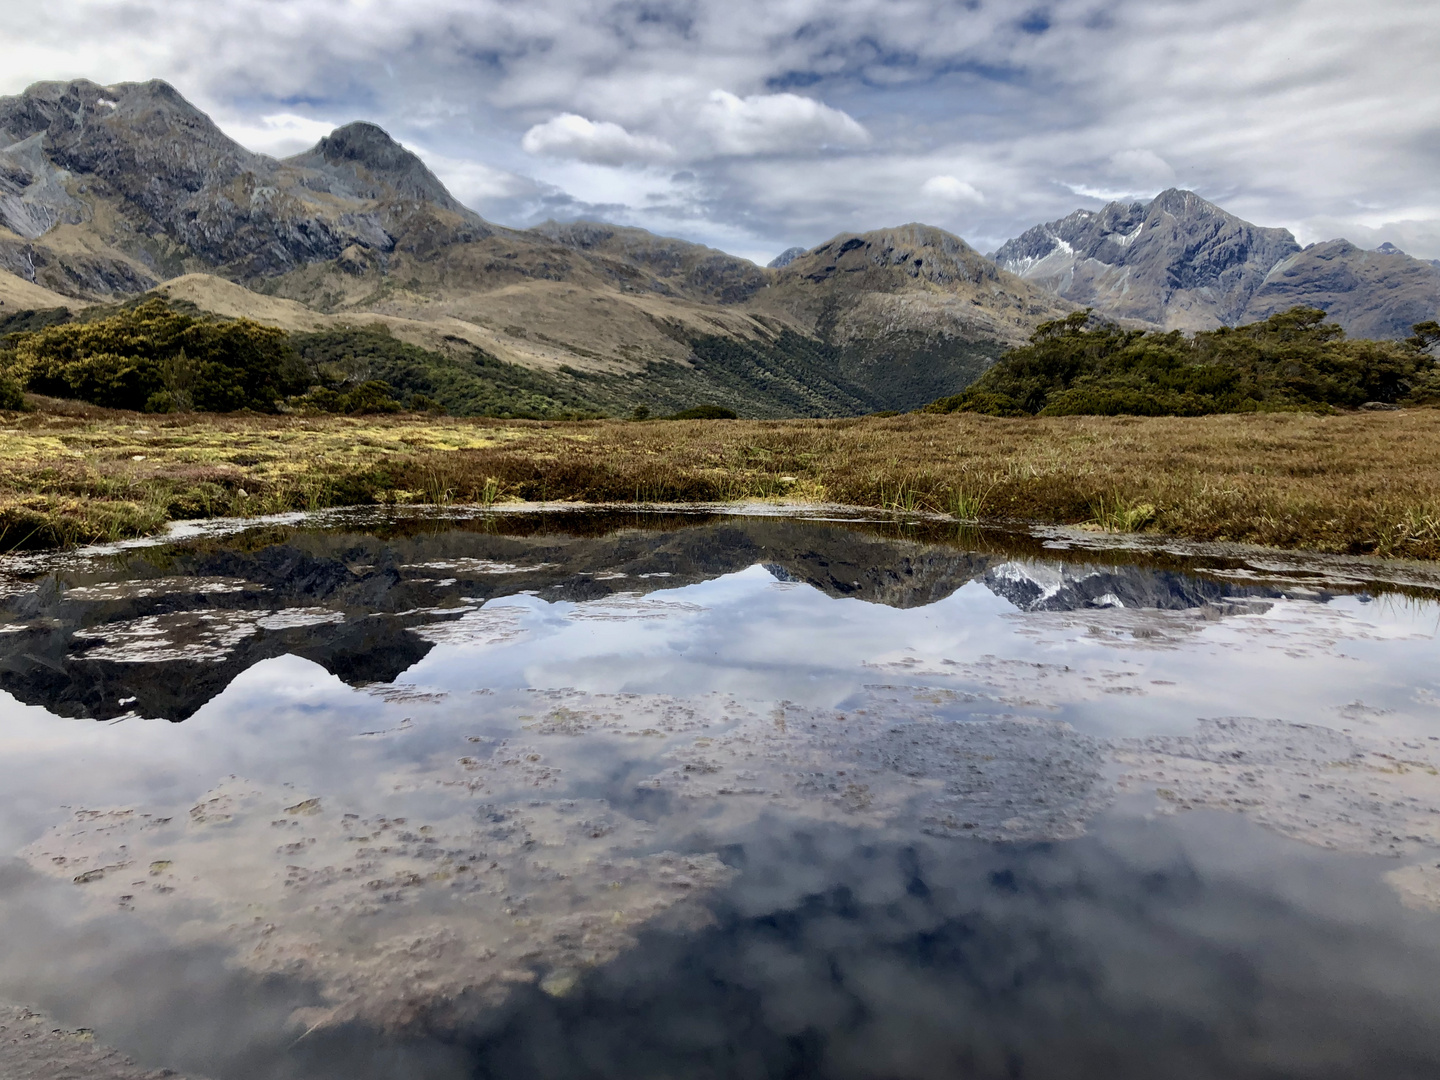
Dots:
{"x": 1292, "y": 360}
{"x": 12, "y": 398}
{"x": 152, "y": 356}
{"x": 371, "y": 396}
{"x": 427, "y": 404}
{"x": 705, "y": 412}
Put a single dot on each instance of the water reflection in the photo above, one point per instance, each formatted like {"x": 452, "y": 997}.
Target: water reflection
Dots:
{"x": 717, "y": 796}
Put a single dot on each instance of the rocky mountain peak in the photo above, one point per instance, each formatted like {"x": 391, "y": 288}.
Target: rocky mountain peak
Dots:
{"x": 914, "y": 251}
{"x": 1178, "y": 261}
{"x": 785, "y": 258}
{"x": 1380, "y": 293}
{"x": 365, "y": 162}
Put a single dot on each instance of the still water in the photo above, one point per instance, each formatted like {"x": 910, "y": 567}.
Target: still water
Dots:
{"x": 573, "y": 795}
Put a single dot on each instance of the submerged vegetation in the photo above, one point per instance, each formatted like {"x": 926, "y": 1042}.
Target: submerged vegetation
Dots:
{"x": 1355, "y": 482}
{"x": 1293, "y": 360}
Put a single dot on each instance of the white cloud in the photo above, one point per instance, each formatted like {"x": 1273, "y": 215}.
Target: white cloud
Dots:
{"x": 776, "y": 123}
{"x": 598, "y": 142}
{"x": 951, "y": 189}
{"x": 474, "y": 183}
{"x": 278, "y": 134}
{"x": 1299, "y": 113}
{"x": 1126, "y": 175}
{"x": 1144, "y": 169}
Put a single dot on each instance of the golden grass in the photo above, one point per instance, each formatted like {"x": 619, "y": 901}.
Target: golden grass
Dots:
{"x": 1359, "y": 483}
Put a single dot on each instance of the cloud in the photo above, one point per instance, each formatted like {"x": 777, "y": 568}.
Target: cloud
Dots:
{"x": 1127, "y": 174}
{"x": 601, "y": 143}
{"x": 278, "y": 134}
{"x": 951, "y": 189}
{"x": 474, "y": 183}
{"x": 1143, "y": 168}
{"x": 830, "y": 117}
{"x": 1420, "y": 238}
{"x": 776, "y": 123}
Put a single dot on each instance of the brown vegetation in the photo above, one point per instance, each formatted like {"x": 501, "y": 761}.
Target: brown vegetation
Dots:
{"x": 1354, "y": 482}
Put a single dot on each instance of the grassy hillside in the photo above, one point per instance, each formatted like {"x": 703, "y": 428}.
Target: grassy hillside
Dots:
{"x": 163, "y": 355}
{"x": 468, "y": 382}
{"x": 1292, "y": 360}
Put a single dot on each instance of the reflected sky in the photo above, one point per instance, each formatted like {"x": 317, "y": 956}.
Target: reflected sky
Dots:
{"x": 726, "y": 799}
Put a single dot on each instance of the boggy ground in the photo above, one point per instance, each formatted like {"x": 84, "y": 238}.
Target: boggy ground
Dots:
{"x": 1358, "y": 483}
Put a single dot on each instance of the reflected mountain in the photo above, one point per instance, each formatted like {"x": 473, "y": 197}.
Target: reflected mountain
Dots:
{"x": 160, "y": 631}
{"x": 1036, "y": 586}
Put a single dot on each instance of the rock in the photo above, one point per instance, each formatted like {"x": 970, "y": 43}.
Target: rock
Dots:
{"x": 32, "y": 1047}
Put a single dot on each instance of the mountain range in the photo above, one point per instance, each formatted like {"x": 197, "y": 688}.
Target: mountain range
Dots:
{"x": 108, "y": 192}
{"x": 1181, "y": 263}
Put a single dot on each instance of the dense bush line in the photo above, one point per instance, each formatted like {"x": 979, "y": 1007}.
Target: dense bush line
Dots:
{"x": 1292, "y": 360}
{"x": 153, "y": 357}
{"x": 466, "y": 382}
{"x": 159, "y": 357}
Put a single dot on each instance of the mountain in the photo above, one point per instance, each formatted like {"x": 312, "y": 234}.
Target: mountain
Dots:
{"x": 111, "y": 191}
{"x": 163, "y": 630}
{"x": 1180, "y": 262}
{"x": 1177, "y": 262}
{"x": 1374, "y": 294}
{"x": 911, "y": 307}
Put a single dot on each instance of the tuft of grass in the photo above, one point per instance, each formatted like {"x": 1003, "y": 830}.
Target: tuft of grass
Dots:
{"x": 967, "y": 504}
{"x": 904, "y": 498}
{"x": 1116, "y": 514}
{"x": 437, "y": 488}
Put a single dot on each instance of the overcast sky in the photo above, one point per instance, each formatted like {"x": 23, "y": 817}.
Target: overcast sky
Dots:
{"x": 754, "y": 125}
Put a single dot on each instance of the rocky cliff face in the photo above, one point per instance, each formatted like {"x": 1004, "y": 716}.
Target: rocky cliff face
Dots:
{"x": 154, "y": 188}
{"x": 1373, "y": 294}
{"x": 1178, "y": 261}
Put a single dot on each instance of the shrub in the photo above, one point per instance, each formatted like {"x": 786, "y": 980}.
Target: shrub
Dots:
{"x": 371, "y": 396}
{"x": 12, "y": 398}
{"x": 705, "y": 412}
{"x": 1292, "y": 360}
{"x": 152, "y": 356}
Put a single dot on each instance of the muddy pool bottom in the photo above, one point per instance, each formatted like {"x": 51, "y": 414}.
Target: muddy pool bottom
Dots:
{"x": 573, "y": 795}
